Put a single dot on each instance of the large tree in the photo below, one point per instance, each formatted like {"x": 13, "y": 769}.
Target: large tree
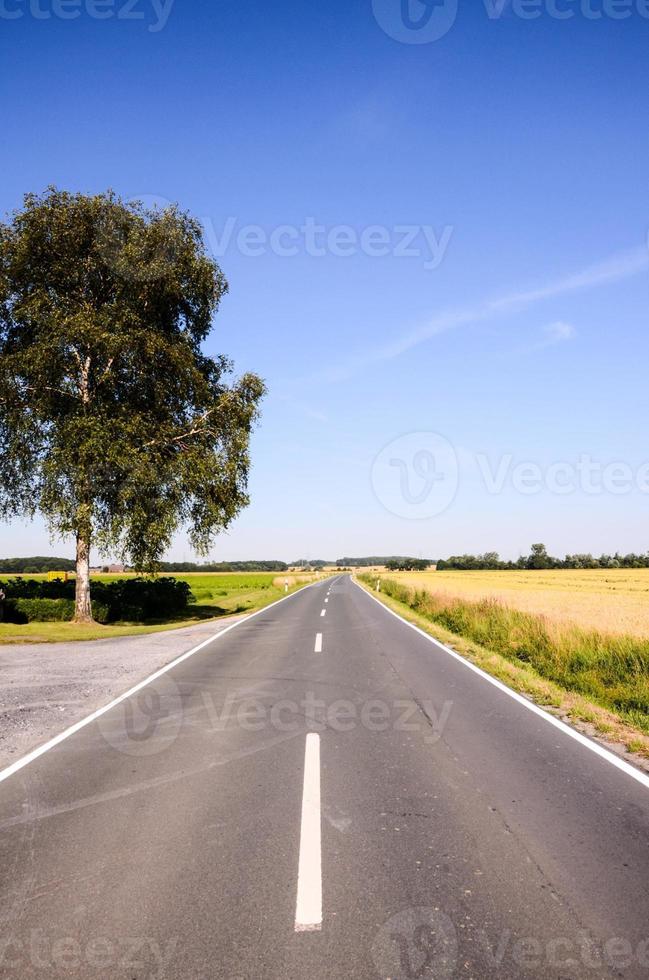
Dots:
{"x": 114, "y": 423}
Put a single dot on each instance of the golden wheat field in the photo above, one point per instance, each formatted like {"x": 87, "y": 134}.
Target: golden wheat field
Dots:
{"x": 609, "y": 600}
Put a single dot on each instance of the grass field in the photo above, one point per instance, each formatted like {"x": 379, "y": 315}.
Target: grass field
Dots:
{"x": 557, "y": 626}
{"x": 215, "y": 595}
{"x": 613, "y": 601}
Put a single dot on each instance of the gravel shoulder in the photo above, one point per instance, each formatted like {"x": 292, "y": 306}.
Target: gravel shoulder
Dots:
{"x": 45, "y": 688}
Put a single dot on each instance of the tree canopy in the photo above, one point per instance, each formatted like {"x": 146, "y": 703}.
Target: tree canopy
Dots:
{"x": 113, "y": 421}
{"x": 407, "y": 564}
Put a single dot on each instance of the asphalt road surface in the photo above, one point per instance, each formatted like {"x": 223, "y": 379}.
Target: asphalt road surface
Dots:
{"x": 322, "y": 792}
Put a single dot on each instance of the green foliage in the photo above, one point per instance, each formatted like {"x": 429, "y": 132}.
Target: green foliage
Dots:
{"x": 611, "y": 670}
{"x": 133, "y": 600}
{"x": 138, "y": 600}
{"x": 113, "y": 423}
{"x": 407, "y": 564}
{"x": 39, "y": 610}
{"x": 101, "y": 613}
{"x": 29, "y": 588}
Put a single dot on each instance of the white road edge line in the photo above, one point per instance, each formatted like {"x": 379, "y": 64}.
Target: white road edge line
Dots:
{"x": 595, "y": 747}
{"x": 308, "y": 908}
{"x": 42, "y": 749}
{"x": 318, "y": 643}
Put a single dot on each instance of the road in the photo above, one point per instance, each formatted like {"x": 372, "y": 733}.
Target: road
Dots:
{"x": 322, "y": 792}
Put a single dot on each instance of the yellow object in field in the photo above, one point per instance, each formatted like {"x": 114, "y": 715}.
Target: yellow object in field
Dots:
{"x": 53, "y": 576}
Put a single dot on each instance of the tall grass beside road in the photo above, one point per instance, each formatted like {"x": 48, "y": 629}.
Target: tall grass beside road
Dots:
{"x": 611, "y": 670}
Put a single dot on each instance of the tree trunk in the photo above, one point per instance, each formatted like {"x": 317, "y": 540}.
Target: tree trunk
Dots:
{"x": 82, "y": 607}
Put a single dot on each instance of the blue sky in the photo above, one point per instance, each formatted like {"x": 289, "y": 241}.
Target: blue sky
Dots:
{"x": 518, "y": 338}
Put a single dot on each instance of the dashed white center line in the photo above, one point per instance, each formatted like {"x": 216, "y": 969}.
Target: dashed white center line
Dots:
{"x": 318, "y": 643}
{"x": 323, "y": 612}
{"x": 308, "y": 909}
{"x": 326, "y": 600}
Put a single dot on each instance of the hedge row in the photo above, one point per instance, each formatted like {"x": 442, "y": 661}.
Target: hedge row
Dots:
{"x": 132, "y": 600}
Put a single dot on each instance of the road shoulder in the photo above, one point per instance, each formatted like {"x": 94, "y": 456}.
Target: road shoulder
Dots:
{"x": 45, "y": 688}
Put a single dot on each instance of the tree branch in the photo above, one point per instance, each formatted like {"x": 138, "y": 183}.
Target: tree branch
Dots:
{"x": 198, "y": 426}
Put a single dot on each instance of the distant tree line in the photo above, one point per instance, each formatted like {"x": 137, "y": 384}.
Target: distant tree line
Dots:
{"x": 32, "y": 566}
{"x": 382, "y": 560}
{"x": 223, "y": 566}
{"x": 36, "y": 565}
{"x": 310, "y": 563}
{"x": 539, "y": 559}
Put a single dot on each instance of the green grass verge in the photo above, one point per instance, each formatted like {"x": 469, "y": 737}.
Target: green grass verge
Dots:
{"x": 595, "y": 715}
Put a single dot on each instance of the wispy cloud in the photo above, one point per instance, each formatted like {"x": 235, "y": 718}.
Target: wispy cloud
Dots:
{"x": 616, "y": 268}
{"x": 558, "y": 333}
{"x": 302, "y": 408}
{"x": 551, "y": 335}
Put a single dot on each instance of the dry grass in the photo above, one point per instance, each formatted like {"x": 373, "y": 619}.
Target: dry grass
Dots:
{"x": 608, "y": 600}
{"x": 293, "y": 580}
